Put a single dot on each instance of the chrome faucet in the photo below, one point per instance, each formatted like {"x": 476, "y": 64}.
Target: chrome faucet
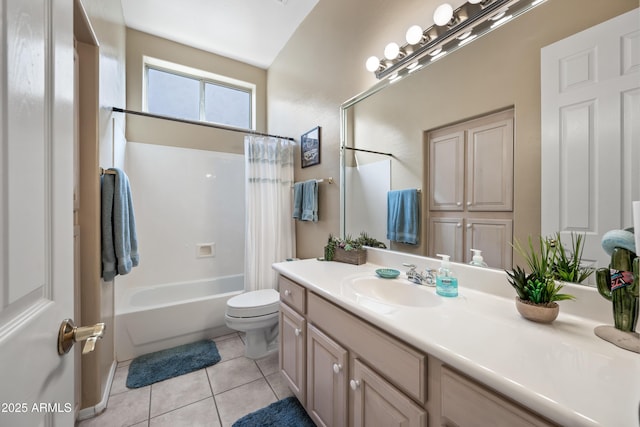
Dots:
{"x": 427, "y": 278}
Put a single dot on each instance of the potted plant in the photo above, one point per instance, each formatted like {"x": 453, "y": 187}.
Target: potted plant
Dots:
{"x": 538, "y": 292}
{"x": 350, "y": 250}
{"x": 568, "y": 267}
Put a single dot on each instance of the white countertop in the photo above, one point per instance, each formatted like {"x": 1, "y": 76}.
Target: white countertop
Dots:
{"x": 562, "y": 370}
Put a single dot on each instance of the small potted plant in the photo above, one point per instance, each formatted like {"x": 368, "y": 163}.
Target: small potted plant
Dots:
{"x": 538, "y": 292}
{"x": 350, "y": 250}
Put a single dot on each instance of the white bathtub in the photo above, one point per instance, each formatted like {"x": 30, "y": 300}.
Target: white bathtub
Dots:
{"x": 163, "y": 316}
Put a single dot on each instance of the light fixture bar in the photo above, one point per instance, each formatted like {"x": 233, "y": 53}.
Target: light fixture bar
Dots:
{"x": 468, "y": 17}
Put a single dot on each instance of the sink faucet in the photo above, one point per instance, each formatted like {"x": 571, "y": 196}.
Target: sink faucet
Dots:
{"x": 427, "y": 278}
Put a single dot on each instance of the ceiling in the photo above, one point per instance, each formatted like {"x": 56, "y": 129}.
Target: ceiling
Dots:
{"x": 251, "y": 31}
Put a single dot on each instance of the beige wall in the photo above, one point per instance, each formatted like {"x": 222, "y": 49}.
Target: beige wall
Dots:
{"x": 323, "y": 66}
{"x": 154, "y": 131}
{"x": 107, "y": 22}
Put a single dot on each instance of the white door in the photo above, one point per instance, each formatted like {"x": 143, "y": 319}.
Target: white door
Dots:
{"x": 590, "y": 86}
{"x": 36, "y": 202}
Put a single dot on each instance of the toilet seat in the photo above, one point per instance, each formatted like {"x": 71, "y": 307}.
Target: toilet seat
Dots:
{"x": 254, "y": 303}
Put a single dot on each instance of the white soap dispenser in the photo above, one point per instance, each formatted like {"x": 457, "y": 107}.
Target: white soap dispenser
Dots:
{"x": 446, "y": 283}
{"x": 477, "y": 259}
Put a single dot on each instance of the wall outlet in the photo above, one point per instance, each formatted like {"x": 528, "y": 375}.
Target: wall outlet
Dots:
{"x": 205, "y": 250}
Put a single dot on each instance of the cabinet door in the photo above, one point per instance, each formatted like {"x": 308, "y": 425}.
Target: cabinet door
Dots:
{"x": 490, "y": 167}
{"x": 378, "y": 403}
{"x": 293, "y": 350}
{"x": 326, "y": 379}
{"x": 446, "y": 237}
{"x": 468, "y": 404}
{"x": 493, "y": 237}
{"x": 446, "y": 172}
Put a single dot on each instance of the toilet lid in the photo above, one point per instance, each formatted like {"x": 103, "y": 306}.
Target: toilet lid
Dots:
{"x": 254, "y": 303}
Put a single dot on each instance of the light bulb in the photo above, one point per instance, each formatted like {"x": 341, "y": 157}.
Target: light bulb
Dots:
{"x": 443, "y": 14}
{"x": 414, "y": 34}
{"x": 372, "y": 63}
{"x": 474, "y": 1}
{"x": 391, "y": 51}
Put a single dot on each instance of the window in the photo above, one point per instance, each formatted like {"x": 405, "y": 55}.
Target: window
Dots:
{"x": 186, "y": 93}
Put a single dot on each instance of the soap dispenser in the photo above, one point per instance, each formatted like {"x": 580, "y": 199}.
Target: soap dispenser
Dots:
{"x": 477, "y": 259}
{"x": 446, "y": 283}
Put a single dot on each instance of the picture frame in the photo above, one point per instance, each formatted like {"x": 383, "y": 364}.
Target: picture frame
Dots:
{"x": 310, "y": 147}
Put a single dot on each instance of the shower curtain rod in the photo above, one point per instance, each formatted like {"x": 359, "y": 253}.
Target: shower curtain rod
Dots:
{"x": 194, "y": 122}
{"x": 368, "y": 151}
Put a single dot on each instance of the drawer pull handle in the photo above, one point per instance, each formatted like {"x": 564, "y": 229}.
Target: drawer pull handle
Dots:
{"x": 297, "y": 332}
{"x": 354, "y": 384}
{"x": 287, "y": 292}
{"x": 337, "y": 368}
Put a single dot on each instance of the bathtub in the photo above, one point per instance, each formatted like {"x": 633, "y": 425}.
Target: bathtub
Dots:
{"x": 158, "y": 317}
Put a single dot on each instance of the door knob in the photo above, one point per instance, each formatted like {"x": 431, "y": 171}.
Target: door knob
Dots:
{"x": 70, "y": 333}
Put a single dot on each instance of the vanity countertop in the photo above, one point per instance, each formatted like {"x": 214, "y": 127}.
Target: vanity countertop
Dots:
{"x": 560, "y": 370}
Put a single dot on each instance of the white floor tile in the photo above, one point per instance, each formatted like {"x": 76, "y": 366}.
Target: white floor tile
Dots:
{"x": 180, "y": 391}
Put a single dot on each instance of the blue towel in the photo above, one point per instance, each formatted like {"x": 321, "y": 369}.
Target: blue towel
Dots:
{"x": 403, "y": 216}
{"x": 310, "y": 201}
{"x": 119, "y": 239}
{"x": 297, "y": 199}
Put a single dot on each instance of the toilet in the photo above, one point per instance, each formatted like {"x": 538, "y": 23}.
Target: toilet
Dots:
{"x": 256, "y": 314}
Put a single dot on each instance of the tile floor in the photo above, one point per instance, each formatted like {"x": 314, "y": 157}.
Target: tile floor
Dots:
{"x": 215, "y": 396}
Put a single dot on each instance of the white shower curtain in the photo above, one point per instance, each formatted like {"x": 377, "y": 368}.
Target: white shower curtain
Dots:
{"x": 269, "y": 225}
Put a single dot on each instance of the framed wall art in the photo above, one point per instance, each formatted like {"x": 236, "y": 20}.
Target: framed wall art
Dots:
{"x": 310, "y": 147}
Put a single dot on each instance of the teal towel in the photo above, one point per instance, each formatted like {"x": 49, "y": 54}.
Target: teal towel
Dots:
{"x": 403, "y": 216}
{"x": 119, "y": 238}
{"x": 297, "y": 200}
{"x": 310, "y": 201}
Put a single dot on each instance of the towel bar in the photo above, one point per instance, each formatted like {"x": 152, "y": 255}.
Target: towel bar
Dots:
{"x": 104, "y": 171}
{"x": 327, "y": 180}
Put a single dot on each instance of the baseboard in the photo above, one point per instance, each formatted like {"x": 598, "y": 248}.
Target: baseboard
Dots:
{"x": 93, "y": 411}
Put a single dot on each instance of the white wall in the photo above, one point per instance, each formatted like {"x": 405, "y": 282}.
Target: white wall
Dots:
{"x": 183, "y": 197}
{"x": 367, "y": 186}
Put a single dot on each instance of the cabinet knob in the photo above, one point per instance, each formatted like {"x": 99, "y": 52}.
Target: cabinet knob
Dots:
{"x": 459, "y": 225}
{"x": 297, "y": 332}
{"x": 469, "y": 203}
{"x": 469, "y": 225}
{"x": 337, "y": 368}
{"x": 459, "y": 204}
{"x": 287, "y": 292}
{"x": 354, "y": 384}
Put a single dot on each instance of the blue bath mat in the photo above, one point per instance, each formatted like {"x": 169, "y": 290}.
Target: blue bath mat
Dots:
{"x": 172, "y": 362}
{"x": 283, "y": 413}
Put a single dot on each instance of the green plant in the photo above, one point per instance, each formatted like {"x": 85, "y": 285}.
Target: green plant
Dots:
{"x": 538, "y": 286}
{"x": 568, "y": 266}
{"x": 349, "y": 244}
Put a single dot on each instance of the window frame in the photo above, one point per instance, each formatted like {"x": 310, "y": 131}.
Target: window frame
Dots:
{"x": 203, "y": 78}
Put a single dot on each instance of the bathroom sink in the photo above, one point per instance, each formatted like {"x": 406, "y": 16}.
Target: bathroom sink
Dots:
{"x": 393, "y": 292}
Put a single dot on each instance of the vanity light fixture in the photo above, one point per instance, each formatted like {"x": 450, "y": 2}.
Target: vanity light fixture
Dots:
{"x": 452, "y": 30}
{"x": 501, "y": 21}
{"x": 443, "y": 14}
{"x": 392, "y": 51}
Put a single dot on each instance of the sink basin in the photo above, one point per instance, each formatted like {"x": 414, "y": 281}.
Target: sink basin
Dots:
{"x": 389, "y": 292}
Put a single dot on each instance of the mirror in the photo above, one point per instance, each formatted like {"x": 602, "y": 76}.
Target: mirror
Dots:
{"x": 491, "y": 74}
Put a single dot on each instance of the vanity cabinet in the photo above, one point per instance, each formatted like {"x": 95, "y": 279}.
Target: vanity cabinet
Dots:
{"x": 467, "y": 403}
{"x": 471, "y": 190}
{"x": 293, "y": 330}
{"x": 293, "y": 356}
{"x": 347, "y": 372}
{"x": 378, "y": 403}
{"x": 327, "y": 366}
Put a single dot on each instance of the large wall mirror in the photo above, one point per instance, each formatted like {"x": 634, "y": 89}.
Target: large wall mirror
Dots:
{"x": 389, "y": 127}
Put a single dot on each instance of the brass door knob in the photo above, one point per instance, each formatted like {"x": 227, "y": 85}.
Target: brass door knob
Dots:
{"x": 69, "y": 333}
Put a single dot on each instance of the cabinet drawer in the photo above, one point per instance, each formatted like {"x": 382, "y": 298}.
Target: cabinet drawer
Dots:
{"x": 467, "y": 403}
{"x": 403, "y": 366}
{"x": 293, "y": 294}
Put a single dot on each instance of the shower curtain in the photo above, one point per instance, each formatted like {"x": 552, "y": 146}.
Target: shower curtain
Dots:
{"x": 269, "y": 227}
